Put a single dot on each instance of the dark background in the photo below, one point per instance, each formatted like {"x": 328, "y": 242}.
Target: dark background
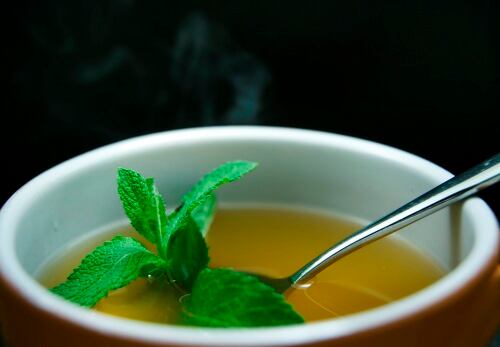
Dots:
{"x": 422, "y": 76}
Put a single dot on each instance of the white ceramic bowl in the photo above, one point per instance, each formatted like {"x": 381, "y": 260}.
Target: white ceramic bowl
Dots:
{"x": 297, "y": 167}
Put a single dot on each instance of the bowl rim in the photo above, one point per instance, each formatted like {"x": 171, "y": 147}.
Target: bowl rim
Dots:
{"x": 483, "y": 251}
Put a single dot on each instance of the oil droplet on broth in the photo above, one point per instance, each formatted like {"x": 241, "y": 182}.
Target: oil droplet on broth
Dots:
{"x": 276, "y": 242}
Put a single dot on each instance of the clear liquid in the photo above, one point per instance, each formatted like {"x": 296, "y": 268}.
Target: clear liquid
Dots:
{"x": 276, "y": 242}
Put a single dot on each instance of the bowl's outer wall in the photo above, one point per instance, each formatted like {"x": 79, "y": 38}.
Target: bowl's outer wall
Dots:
{"x": 466, "y": 320}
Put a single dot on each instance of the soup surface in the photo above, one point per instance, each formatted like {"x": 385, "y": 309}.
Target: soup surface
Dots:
{"x": 274, "y": 242}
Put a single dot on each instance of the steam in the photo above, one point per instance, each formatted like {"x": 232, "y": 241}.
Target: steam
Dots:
{"x": 100, "y": 74}
{"x": 205, "y": 62}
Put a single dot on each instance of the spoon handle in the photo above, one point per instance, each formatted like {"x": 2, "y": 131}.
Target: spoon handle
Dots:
{"x": 454, "y": 189}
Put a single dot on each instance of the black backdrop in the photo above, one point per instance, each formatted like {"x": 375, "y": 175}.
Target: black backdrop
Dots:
{"x": 419, "y": 75}
{"x": 422, "y": 76}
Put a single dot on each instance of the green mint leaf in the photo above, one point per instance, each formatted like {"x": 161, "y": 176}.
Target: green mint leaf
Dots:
{"x": 187, "y": 250}
{"x": 187, "y": 254}
{"x": 227, "y": 172}
{"x": 110, "y": 266}
{"x": 143, "y": 205}
{"x": 204, "y": 214}
{"x": 227, "y": 298}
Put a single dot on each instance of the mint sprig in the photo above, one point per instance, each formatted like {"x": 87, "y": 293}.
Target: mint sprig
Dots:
{"x": 217, "y": 298}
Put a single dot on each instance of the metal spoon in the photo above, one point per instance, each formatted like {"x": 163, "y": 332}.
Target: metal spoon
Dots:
{"x": 452, "y": 190}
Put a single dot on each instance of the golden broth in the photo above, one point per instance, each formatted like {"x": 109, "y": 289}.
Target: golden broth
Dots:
{"x": 276, "y": 242}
